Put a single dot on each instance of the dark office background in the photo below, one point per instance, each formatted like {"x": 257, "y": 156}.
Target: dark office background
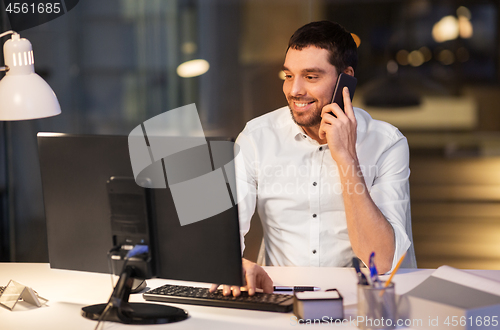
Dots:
{"x": 429, "y": 67}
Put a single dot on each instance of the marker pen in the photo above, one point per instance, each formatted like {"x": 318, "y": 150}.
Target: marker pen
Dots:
{"x": 296, "y": 288}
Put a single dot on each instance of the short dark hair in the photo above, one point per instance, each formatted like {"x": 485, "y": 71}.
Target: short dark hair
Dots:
{"x": 330, "y": 36}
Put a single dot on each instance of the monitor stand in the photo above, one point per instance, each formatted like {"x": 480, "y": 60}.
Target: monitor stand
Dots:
{"x": 118, "y": 309}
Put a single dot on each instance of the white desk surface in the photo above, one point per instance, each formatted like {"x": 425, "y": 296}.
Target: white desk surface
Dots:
{"x": 69, "y": 291}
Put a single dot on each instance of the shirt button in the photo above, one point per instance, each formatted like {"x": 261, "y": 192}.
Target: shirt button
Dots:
{"x": 314, "y": 215}
{"x": 320, "y": 148}
{"x": 314, "y": 183}
{"x": 314, "y": 251}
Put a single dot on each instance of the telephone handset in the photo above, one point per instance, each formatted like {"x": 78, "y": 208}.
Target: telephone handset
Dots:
{"x": 343, "y": 81}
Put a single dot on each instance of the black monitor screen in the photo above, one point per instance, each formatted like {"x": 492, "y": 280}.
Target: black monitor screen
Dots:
{"x": 79, "y": 206}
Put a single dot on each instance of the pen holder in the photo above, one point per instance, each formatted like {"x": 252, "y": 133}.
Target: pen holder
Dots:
{"x": 376, "y": 307}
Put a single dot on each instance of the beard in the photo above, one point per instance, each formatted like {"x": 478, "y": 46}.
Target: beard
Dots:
{"x": 310, "y": 118}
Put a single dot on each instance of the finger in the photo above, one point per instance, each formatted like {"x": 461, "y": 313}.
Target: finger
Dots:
{"x": 333, "y": 110}
{"x": 323, "y": 128}
{"x": 226, "y": 290}
{"x": 250, "y": 277}
{"x": 267, "y": 284}
{"x": 328, "y": 109}
{"x": 236, "y": 291}
{"x": 214, "y": 287}
{"x": 349, "y": 111}
{"x": 328, "y": 119}
{"x": 321, "y": 132}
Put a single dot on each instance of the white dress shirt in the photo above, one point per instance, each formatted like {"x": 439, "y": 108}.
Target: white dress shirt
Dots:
{"x": 295, "y": 184}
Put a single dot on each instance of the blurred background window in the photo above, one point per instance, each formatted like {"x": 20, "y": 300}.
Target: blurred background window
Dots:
{"x": 431, "y": 68}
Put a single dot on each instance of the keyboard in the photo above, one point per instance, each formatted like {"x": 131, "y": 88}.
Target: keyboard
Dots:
{"x": 180, "y": 294}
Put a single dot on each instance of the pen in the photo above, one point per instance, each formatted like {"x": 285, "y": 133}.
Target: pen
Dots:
{"x": 296, "y": 288}
{"x": 373, "y": 270}
{"x": 361, "y": 277}
{"x": 393, "y": 273}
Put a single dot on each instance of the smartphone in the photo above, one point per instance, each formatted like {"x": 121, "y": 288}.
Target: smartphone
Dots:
{"x": 343, "y": 81}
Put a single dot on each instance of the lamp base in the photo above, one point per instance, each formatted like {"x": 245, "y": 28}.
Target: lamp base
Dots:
{"x": 136, "y": 313}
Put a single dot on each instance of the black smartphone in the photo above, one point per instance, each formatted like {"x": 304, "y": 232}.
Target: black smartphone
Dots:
{"x": 343, "y": 81}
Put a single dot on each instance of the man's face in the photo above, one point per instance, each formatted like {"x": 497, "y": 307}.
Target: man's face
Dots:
{"x": 309, "y": 83}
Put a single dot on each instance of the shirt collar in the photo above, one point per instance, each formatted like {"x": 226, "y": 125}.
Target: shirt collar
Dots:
{"x": 297, "y": 132}
{"x": 300, "y": 135}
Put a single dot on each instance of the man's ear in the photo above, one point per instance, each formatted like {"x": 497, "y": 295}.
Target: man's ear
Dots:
{"x": 349, "y": 70}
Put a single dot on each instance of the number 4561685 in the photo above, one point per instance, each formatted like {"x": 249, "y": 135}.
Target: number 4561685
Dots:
{"x": 478, "y": 321}
{"x": 26, "y": 8}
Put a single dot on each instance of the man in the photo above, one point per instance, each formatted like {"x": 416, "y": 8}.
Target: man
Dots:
{"x": 328, "y": 185}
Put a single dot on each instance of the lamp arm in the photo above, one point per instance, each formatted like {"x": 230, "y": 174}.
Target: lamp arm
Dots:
{"x": 6, "y": 33}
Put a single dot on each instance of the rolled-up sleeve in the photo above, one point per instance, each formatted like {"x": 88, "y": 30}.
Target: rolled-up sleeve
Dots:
{"x": 246, "y": 183}
{"x": 391, "y": 193}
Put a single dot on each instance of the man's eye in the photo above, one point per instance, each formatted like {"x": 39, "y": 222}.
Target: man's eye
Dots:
{"x": 311, "y": 77}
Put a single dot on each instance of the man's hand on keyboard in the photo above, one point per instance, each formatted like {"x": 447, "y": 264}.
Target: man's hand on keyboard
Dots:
{"x": 256, "y": 278}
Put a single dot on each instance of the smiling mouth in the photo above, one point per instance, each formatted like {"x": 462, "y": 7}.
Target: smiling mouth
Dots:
{"x": 302, "y": 104}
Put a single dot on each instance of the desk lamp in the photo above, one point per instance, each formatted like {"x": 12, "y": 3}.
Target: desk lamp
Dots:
{"x": 23, "y": 95}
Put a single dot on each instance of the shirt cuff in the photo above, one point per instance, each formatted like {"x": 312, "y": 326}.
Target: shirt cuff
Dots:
{"x": 402, "y": 243}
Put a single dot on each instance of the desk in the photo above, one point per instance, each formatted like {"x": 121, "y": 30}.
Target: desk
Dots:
{"x": 69, "y": 291}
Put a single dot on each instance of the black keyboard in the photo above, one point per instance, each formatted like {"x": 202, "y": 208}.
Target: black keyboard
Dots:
{"x": 180, "y": 294}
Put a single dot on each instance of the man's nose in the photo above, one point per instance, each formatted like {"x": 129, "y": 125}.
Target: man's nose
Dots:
{"x": 298, "y": 88}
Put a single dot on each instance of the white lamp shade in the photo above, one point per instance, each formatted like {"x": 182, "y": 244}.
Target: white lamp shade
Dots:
{"x": 23, "y": 93}
{"x": 26, "y": 96}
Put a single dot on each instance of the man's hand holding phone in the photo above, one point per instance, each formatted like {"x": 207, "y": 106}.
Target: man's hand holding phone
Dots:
{"x": 344, "y": 80}
{"x": 338, "y": 127}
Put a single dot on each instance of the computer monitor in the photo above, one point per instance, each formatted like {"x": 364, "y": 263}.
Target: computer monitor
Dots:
{"x": 91, "y": 207}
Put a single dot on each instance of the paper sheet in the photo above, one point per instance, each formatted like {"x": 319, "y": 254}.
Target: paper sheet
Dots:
{"x": 467, "y": 279}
